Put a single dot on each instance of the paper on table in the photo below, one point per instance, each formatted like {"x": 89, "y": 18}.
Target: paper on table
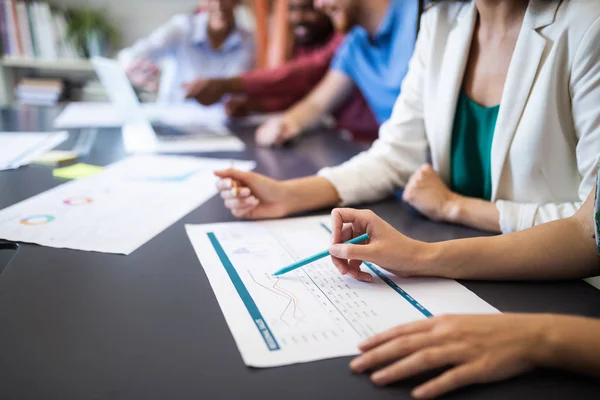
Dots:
{"x": 117, "y": 210}
{"x": 139, "y": 137}
{"x": 19, "y": 148}
{"x": 312, "y": 313}
{"x": 106, "y": 115}
{"x": 77, "y": 171}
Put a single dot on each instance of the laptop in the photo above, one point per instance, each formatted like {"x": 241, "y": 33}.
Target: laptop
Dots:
{"x": 114, "y": 79}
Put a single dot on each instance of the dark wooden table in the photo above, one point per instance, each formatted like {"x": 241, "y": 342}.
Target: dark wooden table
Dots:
{"x": 81, "y": 325}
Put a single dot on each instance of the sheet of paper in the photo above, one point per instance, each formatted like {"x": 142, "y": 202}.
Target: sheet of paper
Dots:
{"x": 139, "y": 137}
{"x": 117, "y": 210}
{"x": 106, "y": 115}
{"x": 77, "y": 171}
{"x": 312, "y": 313}
{"x": 19, "y": 148}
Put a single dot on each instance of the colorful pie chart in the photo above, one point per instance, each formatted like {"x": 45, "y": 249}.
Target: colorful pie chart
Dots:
{"x": 78, "y": 201}
{"x": 41, "y": 219}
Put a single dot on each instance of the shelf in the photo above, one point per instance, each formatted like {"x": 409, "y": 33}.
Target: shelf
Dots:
{"x": 55, "y": 65}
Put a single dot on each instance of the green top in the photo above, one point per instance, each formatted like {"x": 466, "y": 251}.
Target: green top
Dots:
{"x": 471, "y": 149}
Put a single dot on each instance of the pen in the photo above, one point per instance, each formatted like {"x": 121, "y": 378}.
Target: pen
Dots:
{"x": 317, "y": 256}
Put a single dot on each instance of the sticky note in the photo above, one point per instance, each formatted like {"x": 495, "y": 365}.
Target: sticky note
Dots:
{"x": 77, "y": 171}
{"x": 55, "y": 157}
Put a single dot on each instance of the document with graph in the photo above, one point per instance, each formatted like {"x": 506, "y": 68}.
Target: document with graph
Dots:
{"x": 312, "y": 313}
{"x": 118, "y": 210}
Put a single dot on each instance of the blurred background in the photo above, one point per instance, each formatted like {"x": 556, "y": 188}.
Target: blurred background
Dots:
{"x": 45, "y": 45}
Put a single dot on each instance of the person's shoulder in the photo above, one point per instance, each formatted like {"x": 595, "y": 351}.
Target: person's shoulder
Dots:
{"x": 181, "y": 20}
{"x": 578, "y": 15}
{"x": 575, "y": 23}
{"x": 444, "y": 13}
{"x": 448, "y": 10}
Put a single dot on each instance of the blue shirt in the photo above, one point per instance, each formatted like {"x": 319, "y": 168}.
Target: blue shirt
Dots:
{"x": 184, "y": 46}
{"x": 378, "y": 64}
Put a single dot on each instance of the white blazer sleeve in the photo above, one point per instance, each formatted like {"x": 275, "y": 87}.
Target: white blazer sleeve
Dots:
{"x": 402, "y": 144}
{"x": 585, "y": 100}
{"x": 159, "y": 43}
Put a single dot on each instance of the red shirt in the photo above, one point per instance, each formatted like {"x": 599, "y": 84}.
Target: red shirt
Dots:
{"x": 280, "y": 88}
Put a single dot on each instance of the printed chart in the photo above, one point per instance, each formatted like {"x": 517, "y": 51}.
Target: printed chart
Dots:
{"x": 311, "y": 313}
{"x": 118, "y": 210}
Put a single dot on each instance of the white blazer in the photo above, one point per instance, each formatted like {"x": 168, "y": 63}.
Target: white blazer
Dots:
{"x": 547, "y": 138}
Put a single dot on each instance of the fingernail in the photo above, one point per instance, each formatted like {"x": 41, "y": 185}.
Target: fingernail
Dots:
{"x": 245, "y": 192}
{"x": 357, "y": 365}
{"x": 229, "y": 183}
{"x": 379, "y": 377}
{"x": 254, "y": 201}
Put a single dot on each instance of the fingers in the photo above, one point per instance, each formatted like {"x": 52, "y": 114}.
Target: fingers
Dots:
{"x": 360, "y": 220}
{"x": 419, "y": 362}
{"x": 232, "y": 193}
{"x": 352, "y": 251}
{"x": 240, "y": 176}
{"x": 461, "y": 376}
{"x": 355, "y": 271}
{"x": 242, "y": 203}
{"x": 341, "y": 265}
{"x": 402, "y": 330}
{"x": 269, "y": 132}
{"x": 352, "y": 268}
{"x": 395, "y": 349}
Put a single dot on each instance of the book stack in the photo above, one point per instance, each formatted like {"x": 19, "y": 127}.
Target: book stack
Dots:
{"x": 32, "y": 30}
{"x": 39, "y": 92}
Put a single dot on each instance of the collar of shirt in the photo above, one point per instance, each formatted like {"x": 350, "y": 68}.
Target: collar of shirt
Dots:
{"x": 199, "y": 34}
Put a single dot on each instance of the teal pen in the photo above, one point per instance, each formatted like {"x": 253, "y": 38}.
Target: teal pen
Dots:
{"x": 318, "y": 256}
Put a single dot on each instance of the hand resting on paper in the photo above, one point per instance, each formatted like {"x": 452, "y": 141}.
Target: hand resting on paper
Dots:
{"x": 478, "y": 349}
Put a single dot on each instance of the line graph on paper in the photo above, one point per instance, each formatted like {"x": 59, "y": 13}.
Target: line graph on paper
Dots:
{"x": 314, "y": 305}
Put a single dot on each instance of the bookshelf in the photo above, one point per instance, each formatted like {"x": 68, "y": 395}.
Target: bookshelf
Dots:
{"x": 12, "y": 67}
{"x": 52, "y": 65}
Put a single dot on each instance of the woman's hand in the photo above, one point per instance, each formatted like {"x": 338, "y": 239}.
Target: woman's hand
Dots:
{"x": 276, "y": 131}
{"x": 386, "y": 247}
{"x": 478, "y": 349}
{"x": 252, "y": 196}
{"x": 426, "y": 192}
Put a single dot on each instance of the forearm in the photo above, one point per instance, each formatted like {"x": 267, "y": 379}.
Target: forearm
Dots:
{"x": 557, "y": 250}
{"x": 233, "y": 85}
{"x": 571, "y": 343}
{"x": 305, "y": 114}
{"x": 476, "y": 213}
{"x": 310, "y": 193}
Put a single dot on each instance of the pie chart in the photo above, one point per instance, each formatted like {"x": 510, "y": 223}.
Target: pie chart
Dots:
{"x": 41, "y": 219}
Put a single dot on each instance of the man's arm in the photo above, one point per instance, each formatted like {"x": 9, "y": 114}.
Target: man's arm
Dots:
{"x": 289, "y": 82}
{"x": 334, "y": 89}
{"x": 295, "y": 78}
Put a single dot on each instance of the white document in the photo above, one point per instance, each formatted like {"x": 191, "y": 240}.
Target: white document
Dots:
{"x": 139, "y": 137}
{"x": 312, "y": 313}
{"x": 117, "y": 210}
{"x": 19, "y": 148}
{"x": 106, "y": 115}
